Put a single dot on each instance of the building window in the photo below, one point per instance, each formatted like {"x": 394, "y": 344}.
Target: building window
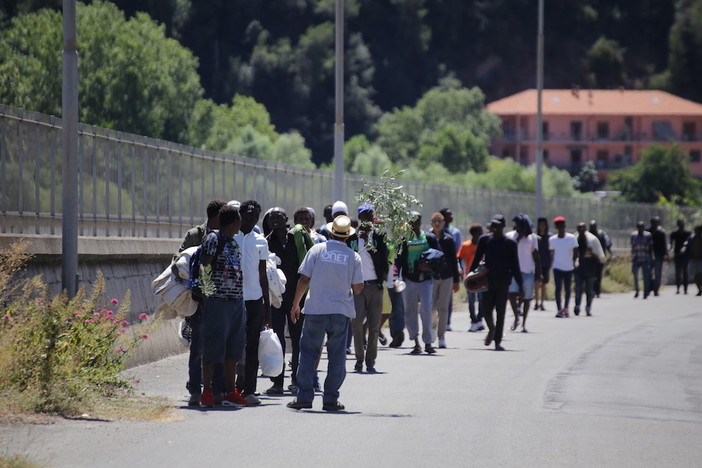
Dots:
{"x": 689, "y": 131}
{"x": 662, "y": 130}
{"x": 603, "y": 130}
{"x": 695, "y": 156}
{"x": 544, "y": 129}
{"x": 576, "y": 130}
{"x": 545, "y": 156}
{"x": 507, "y": 130}
{"x": 602, "y": 159}
{"x": 506, "y": 153}
{"x": 628, "y": 128}
{"x": 576, "y": 158}
{"x": 524, "y": 155}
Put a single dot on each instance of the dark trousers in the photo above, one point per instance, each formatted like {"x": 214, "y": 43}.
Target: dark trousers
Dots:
{"x": 194, "y": 384}
{"x": 681, "y": 278}
{"x": 496, "y": 298}
{"x": 279, "y": 319}
{"x": 563, "y": 280}
{"x": 397, "y": 313}
{"x": 254, "y": 324}
{"x": 584, "y": 283}
{"x": 599, "y": 271}
{"x": 656, "y": 274}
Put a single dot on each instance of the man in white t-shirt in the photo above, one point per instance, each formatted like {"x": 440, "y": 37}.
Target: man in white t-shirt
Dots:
{"x": 254, "y": 253}
{"x": 528, "y": 253}
{"x": 564, "y": 251}
{"x": 334, "y": 274}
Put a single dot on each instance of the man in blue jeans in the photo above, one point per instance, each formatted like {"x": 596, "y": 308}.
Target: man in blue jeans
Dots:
{"x": 334, "y": 273}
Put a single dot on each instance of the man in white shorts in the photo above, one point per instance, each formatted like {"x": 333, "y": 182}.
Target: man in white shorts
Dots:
{"x": 528, "y": 253}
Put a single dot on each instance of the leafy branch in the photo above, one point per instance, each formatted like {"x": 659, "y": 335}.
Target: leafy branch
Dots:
{"x": 392, "y": 206}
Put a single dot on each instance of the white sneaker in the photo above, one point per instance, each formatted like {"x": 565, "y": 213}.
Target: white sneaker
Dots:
{"x": 474, "y": 327}
{"x": 481, "y": 326}
{"x": 442, "y": 343}
{"x": 252, "y": 399}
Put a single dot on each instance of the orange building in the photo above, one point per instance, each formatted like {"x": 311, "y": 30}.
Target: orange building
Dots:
{"x": 608, "y": 127}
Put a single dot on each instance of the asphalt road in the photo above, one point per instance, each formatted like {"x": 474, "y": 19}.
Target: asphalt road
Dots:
{"x": 621, "y": 388}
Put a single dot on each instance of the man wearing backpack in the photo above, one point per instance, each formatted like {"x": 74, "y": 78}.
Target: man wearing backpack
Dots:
{"x": 194, "y": 238}
{"x": 418, "y": 280}
{"x": 223, "y": 316}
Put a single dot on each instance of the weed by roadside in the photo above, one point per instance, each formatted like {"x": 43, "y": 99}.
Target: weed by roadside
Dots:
{"x": 60, "y": 355}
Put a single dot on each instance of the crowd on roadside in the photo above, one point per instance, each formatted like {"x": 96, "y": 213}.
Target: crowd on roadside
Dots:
{"x": 336, "y": 275}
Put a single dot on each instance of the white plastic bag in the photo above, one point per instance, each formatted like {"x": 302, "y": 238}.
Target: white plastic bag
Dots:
{"x": 270, "y": 353}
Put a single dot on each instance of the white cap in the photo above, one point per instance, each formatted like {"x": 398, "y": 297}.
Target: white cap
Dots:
{"x": 339, "y": 207}
{"x": 235, "y": 203}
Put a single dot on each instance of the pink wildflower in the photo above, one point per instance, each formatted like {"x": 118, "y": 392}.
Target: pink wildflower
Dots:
{"x": 109, "y": 312}
{"x": 143, "y": 316}
{"x": 144, "y": 336}
{"x": 7, "y": 317}
{"x": 114, "y": 301}
{"x": 89, "y": 321}
{"x": 123, "y": 330}
{"x": 116, "y": 321}
{"x": 119, "y": 350}
{"x": 124, "y": 322}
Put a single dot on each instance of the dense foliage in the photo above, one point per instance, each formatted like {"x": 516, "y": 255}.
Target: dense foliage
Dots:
{"x": 662, "y": 174}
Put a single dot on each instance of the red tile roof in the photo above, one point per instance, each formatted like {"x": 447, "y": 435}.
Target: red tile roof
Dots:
{"x": 597, "y": 102}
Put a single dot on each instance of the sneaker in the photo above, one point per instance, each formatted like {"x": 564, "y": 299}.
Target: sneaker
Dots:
{"x": 481, "y": 326}
{"x": 335, "y": 406}
{"x": 371, "y": 370}
{"x": 566, "y": 314}
{"x": 442, "y": 343}
{"x": 358, "y": 367}
{"x": 559, "y": 314}
{"x": 235, "y": 399}
{"x": 185, "y": 333}
{"x": 429, "y": 349}
{"x": 576, "y": 310}
{"x": 218, "y": 399}
{"x": 382, "y": 339}
{"x": 207, "y": 398}
{"x": 293, "y": 389}
{"x": 298, "y": 405}
{"x": 416, "y": 350}
{"x": 448, "y": 328}
{"x": 194, "y": 399}
{"x": 275, "y": 391}
{"x": 252, "y": 399}
{"x": 473, "y": 327}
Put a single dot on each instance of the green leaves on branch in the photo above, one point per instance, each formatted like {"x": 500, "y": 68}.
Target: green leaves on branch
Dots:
{"x": 392, "y": 205}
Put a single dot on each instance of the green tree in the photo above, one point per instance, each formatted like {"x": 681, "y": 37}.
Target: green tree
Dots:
{"x": 449, "y": 125}
{"x": 685, "y": 60}
{"x": 663, "y": 171}
{"x": 131, "y": 77}
{"x": 586, "y": 179}
{"x": 605, "y": 61}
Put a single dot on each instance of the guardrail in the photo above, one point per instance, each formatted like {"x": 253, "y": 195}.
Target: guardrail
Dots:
{"x": 135, "y": 186}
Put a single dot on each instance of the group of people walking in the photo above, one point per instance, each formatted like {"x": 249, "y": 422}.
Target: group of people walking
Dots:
{"x": 335, "y": 278}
